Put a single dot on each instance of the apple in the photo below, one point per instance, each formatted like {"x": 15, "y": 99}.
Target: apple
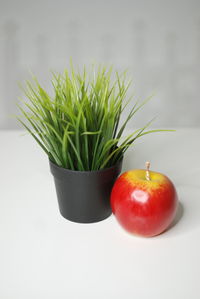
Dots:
{"x": 144, "y": 202}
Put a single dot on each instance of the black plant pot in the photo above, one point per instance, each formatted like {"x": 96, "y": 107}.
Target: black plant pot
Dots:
{"x": 84, "y": 196}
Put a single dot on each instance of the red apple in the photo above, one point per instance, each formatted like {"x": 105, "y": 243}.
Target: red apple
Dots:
{"x": 144, "y": 202}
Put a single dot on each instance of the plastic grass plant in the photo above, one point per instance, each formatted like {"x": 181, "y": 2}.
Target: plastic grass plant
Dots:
{"x": 78, "y": 127}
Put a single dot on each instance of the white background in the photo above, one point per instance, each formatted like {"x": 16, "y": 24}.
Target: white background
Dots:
{"x": 44, "y": 256}
{"x": 158, "y": 41}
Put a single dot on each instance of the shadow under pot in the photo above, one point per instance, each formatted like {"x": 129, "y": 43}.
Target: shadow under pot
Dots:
{"x": 84, "y": 196}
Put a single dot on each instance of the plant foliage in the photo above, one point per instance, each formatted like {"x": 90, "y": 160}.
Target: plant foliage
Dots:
{"x": 78, "y": 128}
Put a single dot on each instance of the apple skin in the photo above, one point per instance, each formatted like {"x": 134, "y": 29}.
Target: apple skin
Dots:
{"x": 144, "y": 207}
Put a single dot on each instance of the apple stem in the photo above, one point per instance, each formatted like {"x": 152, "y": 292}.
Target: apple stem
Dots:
{"x": 147, "y": 171}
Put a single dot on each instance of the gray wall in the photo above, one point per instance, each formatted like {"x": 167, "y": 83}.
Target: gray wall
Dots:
{"x": 158, "y": 41}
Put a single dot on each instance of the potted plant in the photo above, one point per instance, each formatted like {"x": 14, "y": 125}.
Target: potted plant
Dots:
{"x": 78, "y": 128}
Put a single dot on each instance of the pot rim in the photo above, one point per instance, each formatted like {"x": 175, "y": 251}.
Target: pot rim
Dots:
{"x": 85, "y": 171}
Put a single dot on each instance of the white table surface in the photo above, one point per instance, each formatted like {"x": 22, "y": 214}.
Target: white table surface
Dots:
{"x": 42, "y": 255}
